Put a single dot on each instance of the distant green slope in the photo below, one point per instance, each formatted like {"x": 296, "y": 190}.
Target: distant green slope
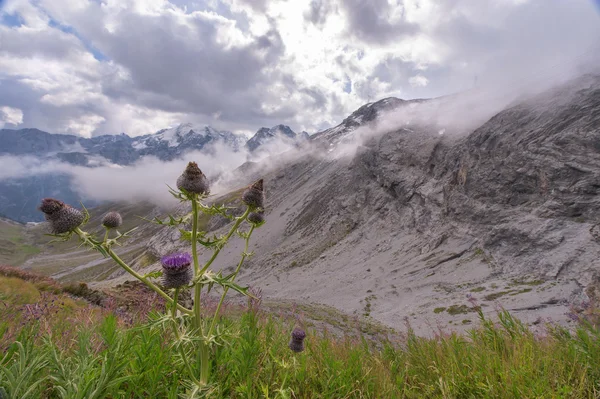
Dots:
{"x": 15, "y": 244}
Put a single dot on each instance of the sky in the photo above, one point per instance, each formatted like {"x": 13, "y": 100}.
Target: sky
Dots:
{"x": 91, "y": 67}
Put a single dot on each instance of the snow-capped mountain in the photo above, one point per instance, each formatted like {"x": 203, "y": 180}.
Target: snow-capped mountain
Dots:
{"x": 365, "y": 115}
{"x": 280, "y": 132}
{"x": 19, "y": 195}
{"x": 187, "y": 136}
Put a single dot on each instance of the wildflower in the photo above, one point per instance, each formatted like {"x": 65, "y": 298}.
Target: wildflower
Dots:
{"x": 254, "y": 195}
{"x": 193, "y": 180}
{"x": 61, "y": 217}
{"x": 297, "y": 342}
{"x": 176, "y": 270}
{"x": 256, "y": 217}
{"x": 112, "y": 220}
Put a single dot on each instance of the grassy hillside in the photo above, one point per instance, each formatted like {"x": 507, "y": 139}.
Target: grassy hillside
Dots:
{"x": 15, "y": 245}
{"x": 55, "y": 346}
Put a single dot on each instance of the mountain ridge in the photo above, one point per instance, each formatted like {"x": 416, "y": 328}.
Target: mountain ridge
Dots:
{"x": 19, "y": 196}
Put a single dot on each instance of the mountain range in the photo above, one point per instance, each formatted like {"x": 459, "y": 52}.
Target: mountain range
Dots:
{"x": 19, "y": 196}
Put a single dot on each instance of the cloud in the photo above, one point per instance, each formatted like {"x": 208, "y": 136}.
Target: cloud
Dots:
{"x": 11, "y": 116}
{"x": 418, "y": 81}
{"x": 146, "y": 179}
{"x": 94, "y": 67}
{"x": 377, "y": 21}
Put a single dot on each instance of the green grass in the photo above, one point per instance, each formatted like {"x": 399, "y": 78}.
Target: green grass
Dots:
{"x": 15, "y": 245}
{"x": 66, "y": 348}
{"x": 18, "y": 291}
{"x": 503, "y": 360}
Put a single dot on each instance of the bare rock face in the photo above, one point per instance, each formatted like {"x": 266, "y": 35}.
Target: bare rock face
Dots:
{"x": 420, "y": 226}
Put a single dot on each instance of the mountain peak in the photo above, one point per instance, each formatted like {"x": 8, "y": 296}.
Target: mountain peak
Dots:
{"x": 265, "y": 134}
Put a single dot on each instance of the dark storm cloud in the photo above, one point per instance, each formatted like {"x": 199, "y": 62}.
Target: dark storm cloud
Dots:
{"x": 318, "y": 11}
{"x": 369, "y": 21}
{"x": 183, "y": 66}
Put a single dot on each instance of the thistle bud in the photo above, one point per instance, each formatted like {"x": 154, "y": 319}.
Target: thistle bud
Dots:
{"x": 254, "y": 195}
{"x": 61, "y": 217}
{"x": 112, "y": 220}
{"x": 176, "y": 270}
{"x": 297, "y": 342}
{"x": 193, "y": 180}
{"x": 256, "y": 217}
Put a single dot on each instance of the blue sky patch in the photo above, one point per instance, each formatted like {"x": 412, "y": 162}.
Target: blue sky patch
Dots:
{"x": 88, "y": 45}
{"x": 12, "y": 20}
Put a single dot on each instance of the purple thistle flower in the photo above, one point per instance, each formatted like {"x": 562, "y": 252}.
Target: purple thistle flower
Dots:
{"x": 254, "y": 196}
{"x": 297, "y": 342}
{"x": 112, "y": 220}
{"x": 61, "y": 217}
{"x": 256, "y": 217}
{"x": 193, "y": 180}
{"x": 176, "y": 270}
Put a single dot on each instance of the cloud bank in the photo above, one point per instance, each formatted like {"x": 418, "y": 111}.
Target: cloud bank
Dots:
{"x": 92, "y": 67}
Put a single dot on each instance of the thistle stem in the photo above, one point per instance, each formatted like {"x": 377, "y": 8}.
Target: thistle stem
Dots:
{"x": 178, "y": 337}
{"x": 204, "y": 365}
{"x": 195, "y": 232}
{"x": 197, "y": 291}
{"x": 233, "y": 229}
{"x": 203, "y": 350}
{"x": 239, "y": 266}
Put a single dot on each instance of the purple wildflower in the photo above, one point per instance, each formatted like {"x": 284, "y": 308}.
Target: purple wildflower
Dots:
{"x": 193, "y": 180}
{"x": 254, "y": 195}
{"x": 297, "y": 342}
{"x": 61, "y": 217}
{"x": 176, "y": 270}
{"x": 112, "y": 220}
{"x": 256, "y": 217}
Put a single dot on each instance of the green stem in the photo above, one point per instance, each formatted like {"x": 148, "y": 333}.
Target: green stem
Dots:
{"x": 143, "y": 279}
{"x": 197, "y": 291}
{"x": 237, "y": 223}
{"x": 239, "y": 266}
{"x": 174, "y": 308}
{"x": 178, "y": 337}
{"x": 195, "y": 232}
{"x": 204, "y": 366}
{"x": 105, "y": 235}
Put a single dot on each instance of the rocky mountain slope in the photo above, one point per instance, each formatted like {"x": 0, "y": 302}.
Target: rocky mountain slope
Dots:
{"x": 419, "y": 226}
{"x": 416, "y": 225}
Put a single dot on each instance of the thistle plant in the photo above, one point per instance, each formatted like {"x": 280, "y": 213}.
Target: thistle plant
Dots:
{"x": 195, "y": 331}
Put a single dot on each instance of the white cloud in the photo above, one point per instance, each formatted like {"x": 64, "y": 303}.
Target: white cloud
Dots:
{"x": 92, "y": 67}
{"x": 10, "y": 115}
{"x": 418, "y": 81}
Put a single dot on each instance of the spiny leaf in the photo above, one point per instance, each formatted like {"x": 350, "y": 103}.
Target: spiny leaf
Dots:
{"x": 154, "y": 274}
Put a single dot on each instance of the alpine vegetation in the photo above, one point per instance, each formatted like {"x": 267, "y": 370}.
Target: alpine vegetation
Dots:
{"x": 196, "y": 332}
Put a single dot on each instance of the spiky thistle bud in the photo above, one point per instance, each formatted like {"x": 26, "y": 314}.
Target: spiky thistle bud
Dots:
{"x": 297, "y": 342}
{"x": 177, "y": 271}
{"x": 254, "y": 196}
{"x": 256, "y": 217}
{"x": 112, "y": 220}
{"x": 193, "y": 180}
{"x": 61, "y": 217}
